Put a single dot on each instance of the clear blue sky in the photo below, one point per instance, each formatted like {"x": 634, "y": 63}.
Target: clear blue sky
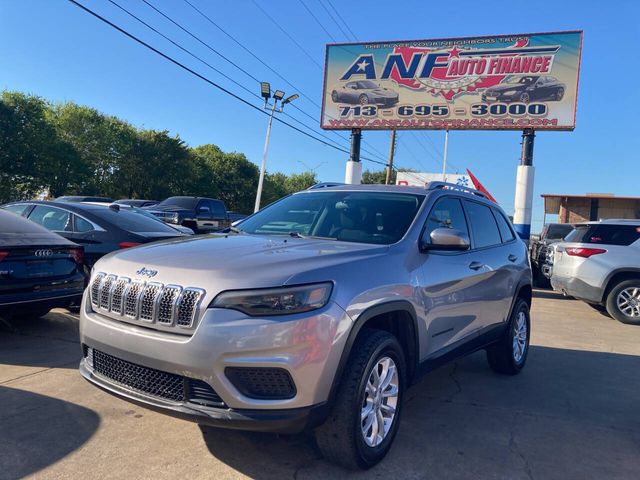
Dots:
{"x": 53, "y": 49}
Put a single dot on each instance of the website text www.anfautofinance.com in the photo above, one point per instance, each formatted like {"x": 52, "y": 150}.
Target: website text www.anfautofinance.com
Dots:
{"x": 443, "y": 124}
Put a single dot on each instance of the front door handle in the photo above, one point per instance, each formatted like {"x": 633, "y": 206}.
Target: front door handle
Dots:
{"x": 512, "y": 258}
{"x": 476, "y": 265}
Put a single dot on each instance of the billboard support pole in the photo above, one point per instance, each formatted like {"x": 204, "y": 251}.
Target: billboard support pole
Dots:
{"x": 353, "y": 173}
{"x": 446, "y": 149}
{"x": 392, "y": 149}
{"x": 524, "y": 186}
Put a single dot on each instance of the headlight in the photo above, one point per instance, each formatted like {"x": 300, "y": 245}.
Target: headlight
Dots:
{"x": 275, "y": 301}
{"x": 173, "y": 218}
{"x": 510, "y": 92}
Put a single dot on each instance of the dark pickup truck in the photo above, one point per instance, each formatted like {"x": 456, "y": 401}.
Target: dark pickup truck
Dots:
{"x": 551, "y": 233}
{"x": 202, "y": 215}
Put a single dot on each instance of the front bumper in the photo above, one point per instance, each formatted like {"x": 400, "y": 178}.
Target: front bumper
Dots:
{"x": 577, "y": 288}
{"x": 288, "y": 421}
{"x": 308, "y": 346}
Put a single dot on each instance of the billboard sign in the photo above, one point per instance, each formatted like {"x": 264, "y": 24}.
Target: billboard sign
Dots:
{"x": 420, "y": 179}
{"x": 505, "y": 82}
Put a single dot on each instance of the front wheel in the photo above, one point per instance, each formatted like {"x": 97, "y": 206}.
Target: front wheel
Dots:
{"x": 623, "y": 302}
{"x": 509, "y": 355}
{"x": 364, "y": 100}
{"x": 366, "y": 414}
{"x": 524, "y": 98}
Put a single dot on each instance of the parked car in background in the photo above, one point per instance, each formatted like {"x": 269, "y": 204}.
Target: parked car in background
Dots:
{"x": 364, "y": 92}
{"x": 99, "y": 229}
{"x": 599, "y": 262}
{"x": 236, "y": 217}
{"x": 538, "y": 250}
{"x": 320, "y": 325}
{"x": 39, "y": 270}
{"x": 80, "y": 199}
{"x": 136, "y": 202}
{"x": 202, "y": 215}
{"x": 526, "y": 89}
{"x": 146, "y": 213}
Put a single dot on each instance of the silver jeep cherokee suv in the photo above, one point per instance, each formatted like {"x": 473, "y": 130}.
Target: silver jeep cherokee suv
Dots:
{"x": 315, "y": 312}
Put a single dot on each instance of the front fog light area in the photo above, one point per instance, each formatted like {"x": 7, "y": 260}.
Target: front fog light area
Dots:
{"x": 88, "y": 356}
{"x": 275, "y": 301}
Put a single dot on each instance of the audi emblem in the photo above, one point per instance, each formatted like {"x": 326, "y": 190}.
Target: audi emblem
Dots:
{"x": 46, "y": 252}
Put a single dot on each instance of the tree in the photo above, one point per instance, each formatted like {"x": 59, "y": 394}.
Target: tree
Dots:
{"x": 378, "y": 177}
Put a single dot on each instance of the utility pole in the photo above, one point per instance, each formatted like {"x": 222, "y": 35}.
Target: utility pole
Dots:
{"x": 392, "y": 149}
{"x": 446, "y": 150}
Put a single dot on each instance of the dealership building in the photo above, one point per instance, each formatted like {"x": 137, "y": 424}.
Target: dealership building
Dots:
{"x": 592, "y": 206}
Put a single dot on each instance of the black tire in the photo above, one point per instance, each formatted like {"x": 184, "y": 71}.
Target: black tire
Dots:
{"x": 559, "y": 94}
{"x": 29, "y": 313}
{"x": 363, "y": 99}
{"x": 334, "y": 96}
{"x": 340, "y": 438}
{"x": 525, "y": 98}
{"x": 501, "y": 356}
{"x": 612, "y": 302}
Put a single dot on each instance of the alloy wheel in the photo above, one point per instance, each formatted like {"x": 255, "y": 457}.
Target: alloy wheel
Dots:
{"x": 379, "y": 402}
{"x": 628, "y": 302}
{"x": 520, "y": 337}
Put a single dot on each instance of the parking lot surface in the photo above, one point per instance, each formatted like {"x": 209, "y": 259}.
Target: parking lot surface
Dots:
{"x": 574, "y": 413}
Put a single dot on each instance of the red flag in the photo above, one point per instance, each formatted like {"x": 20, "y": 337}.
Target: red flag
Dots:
{"x": 478, "y": 186}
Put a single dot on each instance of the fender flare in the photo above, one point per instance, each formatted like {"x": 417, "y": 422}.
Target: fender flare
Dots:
{"x": 363, "y": 318}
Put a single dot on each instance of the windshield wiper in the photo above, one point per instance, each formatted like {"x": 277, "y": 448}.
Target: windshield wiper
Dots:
{"x": 299, "y": 235}
{"x": 232, "y": 229}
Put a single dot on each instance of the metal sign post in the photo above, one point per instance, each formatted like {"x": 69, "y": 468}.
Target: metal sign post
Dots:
{"x": 524, "y": 187}
{"x": 353, "y": 174}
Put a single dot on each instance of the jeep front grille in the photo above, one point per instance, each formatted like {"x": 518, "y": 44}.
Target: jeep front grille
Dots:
{"x": 166, "y": 306}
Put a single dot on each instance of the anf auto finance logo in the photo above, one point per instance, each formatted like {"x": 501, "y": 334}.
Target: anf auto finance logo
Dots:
{"x": 455, "y": 71}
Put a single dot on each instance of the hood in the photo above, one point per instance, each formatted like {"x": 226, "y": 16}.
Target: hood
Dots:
{"x": 236, "y": 261}
{"x": 385, "y": 93}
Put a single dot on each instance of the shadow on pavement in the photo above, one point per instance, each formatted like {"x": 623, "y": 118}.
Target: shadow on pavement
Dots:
{"x": 38, "y": 430}
{"x": 464, "y": 418}
{"x": 550, "y": 294}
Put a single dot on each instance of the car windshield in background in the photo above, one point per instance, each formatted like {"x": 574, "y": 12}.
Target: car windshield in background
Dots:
{"x": 605, "y": 234}
{"x": 133, "y": 222}
{"x": 367, "y": 84}
{"x": 188, "y": 203}
{"x": 365, "y": 217}
{"x": 520, "y": 80}
{"x": 558, "y": 232}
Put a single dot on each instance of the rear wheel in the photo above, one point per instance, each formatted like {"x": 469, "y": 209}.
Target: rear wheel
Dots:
{"x": 524, "y": 98}
{"x": 366, "y": 414}
{"x": 623, "y": 302}
{"x": 509, "y": 355}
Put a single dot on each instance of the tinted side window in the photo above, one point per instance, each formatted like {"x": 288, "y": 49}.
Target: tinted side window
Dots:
{"x": 217, "y": 208}
{"x": 54, "y": 219}
{"x": 446, "y": 213}
{"x": 505, "y": 230}
{"x": 81, "y": 225}
{"x": 483, "y": 225}
{"x": 605, "y": 234}
{"x": 17, "y": 208}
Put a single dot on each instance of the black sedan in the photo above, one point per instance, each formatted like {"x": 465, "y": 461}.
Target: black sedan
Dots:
{"x": 526, "y": 89}
{"x": 100, "y": 229}
{"x": 39, "y": 270}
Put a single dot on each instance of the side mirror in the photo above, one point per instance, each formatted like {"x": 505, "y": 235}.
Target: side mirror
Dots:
{"x": 446, "y": 239}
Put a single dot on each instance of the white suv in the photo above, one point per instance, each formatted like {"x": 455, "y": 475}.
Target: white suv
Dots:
{"x": 599, "y": 262}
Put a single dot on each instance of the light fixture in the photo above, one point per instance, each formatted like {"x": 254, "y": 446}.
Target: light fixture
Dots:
{"x": 290, "y": 98}
{"x": 265, "y": 90}
{"x": 278, "y": 95}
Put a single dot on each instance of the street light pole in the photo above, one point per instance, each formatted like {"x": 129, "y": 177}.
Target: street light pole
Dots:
{"x": 263, "y": 167}
{"x": 278, "y": 95}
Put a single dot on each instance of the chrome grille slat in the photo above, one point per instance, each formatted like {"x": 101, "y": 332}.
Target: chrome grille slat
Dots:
{"x": 150, "y": 303}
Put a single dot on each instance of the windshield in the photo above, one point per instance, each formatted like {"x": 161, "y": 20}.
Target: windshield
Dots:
{"x": 520, "y": 80}
{"x": 365, "y": 217}
{"x": 367, "y": 84}
{"x": 182, "y": 202}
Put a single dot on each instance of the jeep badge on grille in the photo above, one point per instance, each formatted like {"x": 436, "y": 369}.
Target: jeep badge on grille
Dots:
{"x": 145, "y": 272}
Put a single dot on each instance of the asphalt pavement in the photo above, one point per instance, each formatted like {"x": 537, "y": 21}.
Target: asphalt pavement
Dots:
{"x": 573, "y": 413}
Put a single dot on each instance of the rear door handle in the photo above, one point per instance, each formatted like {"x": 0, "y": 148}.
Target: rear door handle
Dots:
{"x": 476, "y": 265}
{"x": 512, "y": 258}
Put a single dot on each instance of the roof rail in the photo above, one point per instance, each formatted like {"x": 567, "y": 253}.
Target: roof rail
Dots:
{"x": 324, "y": 185}
{"x": 453, "y": 186}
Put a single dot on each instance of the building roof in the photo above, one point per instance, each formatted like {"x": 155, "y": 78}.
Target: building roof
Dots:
{"x": 608, "y": 196}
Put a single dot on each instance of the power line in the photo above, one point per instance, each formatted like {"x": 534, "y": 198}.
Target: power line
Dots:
{"x": 241, "y": 45}
{"x": 207, "y": 80}
{"x": 318, "y": 21}
{"x": 353, "y": 35}
{"x": 334, "y": 19}
{"x": 252, "y": 93}
{"x": 275, "y": 22}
